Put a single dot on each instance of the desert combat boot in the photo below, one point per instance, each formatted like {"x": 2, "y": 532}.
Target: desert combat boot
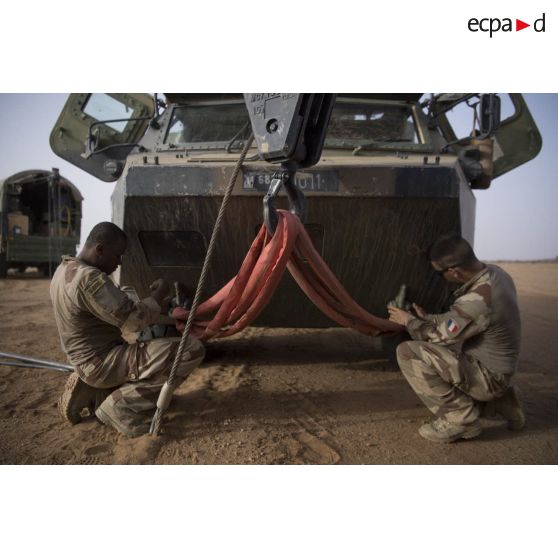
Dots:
{"x": 441, "y": 430}
{"x": 78, "y": 396}
{"x": 130, "y": 428}
{"x": 509, "y": 407}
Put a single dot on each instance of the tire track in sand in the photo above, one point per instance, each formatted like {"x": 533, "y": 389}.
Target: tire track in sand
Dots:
{"x": 316, "y": 441}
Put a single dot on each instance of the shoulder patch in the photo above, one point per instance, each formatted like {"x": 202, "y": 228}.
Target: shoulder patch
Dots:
{"x": 94, "y": 285}
{"x": 453, "y": 326}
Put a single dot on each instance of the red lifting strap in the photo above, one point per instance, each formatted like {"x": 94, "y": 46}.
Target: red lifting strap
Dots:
{"x": 243, "y": 298}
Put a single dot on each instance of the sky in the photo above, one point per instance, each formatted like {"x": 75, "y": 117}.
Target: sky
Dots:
{"x": 515, "y": 218}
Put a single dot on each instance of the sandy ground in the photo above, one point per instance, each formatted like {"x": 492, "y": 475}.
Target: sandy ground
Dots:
{"x": 284, "y": 396}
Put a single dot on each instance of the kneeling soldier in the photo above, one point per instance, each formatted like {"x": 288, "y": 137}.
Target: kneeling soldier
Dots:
{"x": 461, "y": 360}
{"x": 120, "y": 382}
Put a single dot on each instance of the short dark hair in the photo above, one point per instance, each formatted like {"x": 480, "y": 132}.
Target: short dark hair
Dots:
{"x": 105, "y": 233}
{"x": 452, "y": 251}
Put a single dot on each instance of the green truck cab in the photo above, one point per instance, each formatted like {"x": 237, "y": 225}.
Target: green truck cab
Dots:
{"x": 40, "y": 220}
{"x": 393, "y": 176}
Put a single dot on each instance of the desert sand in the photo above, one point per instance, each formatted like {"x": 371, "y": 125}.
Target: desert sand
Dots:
{"x": 277, "y": 396}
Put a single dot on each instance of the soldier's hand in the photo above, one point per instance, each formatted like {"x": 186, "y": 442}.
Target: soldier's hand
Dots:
{"x": 419, "y": 311}
{"x": 399, "y": 316}
{"x": 159, "y": 290}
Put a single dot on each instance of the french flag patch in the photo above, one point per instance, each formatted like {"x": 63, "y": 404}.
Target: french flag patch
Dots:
{"x": 452, "y": 326}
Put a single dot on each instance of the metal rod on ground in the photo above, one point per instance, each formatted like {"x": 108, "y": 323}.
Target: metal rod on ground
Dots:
{"x": 168, "y": 387}
{"x": 22, "y": 364}
{"x": 34, "y": 360}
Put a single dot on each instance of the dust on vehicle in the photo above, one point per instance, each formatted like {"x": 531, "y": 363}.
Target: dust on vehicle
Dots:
{"x": 393, "y": 176}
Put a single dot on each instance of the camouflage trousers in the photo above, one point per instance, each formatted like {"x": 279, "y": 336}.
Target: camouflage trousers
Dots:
{"x": 449, "y": 383}
{"x": 138, "y": 371}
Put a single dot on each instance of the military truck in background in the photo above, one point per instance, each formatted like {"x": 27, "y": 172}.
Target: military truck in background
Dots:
{"x": 393, "y": 176}
{"x": 40, "y": 220}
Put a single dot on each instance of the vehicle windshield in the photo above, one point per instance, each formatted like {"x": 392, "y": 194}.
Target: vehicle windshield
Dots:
{"x": 371, "y": 123}
{"x": 350, "y": 124}
{"x": 208, "y": 123}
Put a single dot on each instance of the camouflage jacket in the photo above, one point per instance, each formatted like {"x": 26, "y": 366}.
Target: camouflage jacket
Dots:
{"x": 91, "y": 311}
{"x": 483, "y": 322}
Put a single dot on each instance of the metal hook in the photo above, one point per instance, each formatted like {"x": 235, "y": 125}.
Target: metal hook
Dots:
{"x": 297, "y": 201}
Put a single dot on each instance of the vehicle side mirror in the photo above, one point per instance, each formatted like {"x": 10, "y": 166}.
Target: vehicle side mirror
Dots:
{"x": 490, "y": 110}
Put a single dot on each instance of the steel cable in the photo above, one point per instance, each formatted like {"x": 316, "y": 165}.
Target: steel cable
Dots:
{"x": 168, "y": 387}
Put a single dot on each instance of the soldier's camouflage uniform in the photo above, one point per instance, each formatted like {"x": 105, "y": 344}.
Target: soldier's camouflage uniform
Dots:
{"x": 91, "y": 313}
{"x": 467, "y": 354}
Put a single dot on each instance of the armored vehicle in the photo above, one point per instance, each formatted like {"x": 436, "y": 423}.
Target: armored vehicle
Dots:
{"x": 40, "y": 216}
{"x": 393, "y": 176}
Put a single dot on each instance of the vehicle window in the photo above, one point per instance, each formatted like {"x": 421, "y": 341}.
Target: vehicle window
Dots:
{"x": 461, "y": 117}
{"x": 101, "y": 106}
{"x": 371, "y": 123}
{"x": 217, "y": 123}
{"x": 507, "y": 107}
